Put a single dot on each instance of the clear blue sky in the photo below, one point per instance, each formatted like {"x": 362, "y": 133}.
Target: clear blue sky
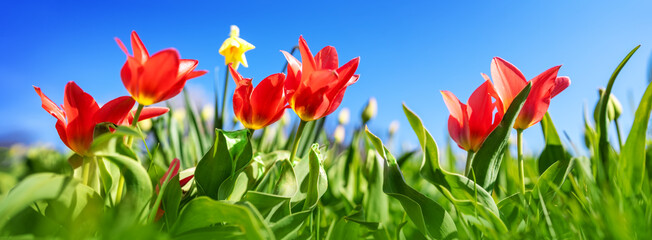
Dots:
{"x": 409, "y": 51}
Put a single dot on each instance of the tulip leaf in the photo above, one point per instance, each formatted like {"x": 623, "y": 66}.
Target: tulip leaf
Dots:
{"x": 486, "y": 162}
{"x": 302, "y": 171}
{"x": 48, "y": 186}
{"x": 229, "y": 155}
{"x": 203, "y": 212}
{"x": 469, "y": 198}
{"x": 287, "y": 226}
{"x": 139, "y": 187}
{"x": 552, "y": 178}
{"x": 604, "y": 148}
{"x": 554, "y": 150}
{"x": 429, "y": 217}
{"x": 278, "y": 186}
{"x": 632, "y": 157}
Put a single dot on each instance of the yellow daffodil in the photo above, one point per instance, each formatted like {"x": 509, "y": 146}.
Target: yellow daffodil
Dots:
{"x": 233, "y": 49}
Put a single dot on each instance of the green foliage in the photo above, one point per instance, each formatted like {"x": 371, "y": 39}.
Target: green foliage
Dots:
{"x": 242, "y": 185}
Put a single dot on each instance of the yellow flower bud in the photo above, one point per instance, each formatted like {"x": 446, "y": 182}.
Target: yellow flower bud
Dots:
{"x": 393, "y": 127}
{"x": 339, "y": 134}
{"x": 370, "y": 110}
{"x": 344, "y": 116}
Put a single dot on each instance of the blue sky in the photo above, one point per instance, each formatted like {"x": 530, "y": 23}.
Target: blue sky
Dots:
{"x": 409, "y": 51}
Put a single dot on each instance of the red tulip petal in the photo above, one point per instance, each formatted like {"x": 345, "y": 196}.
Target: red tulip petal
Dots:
{"x": 266, "y": 99}
{"x": 147, "y": 113}
{"x": 80, "y": 108}
{"x": 50, "y": 106}
{"x": 185, "y": 67}
{"x": 159, "y": 77}
{"x": 454, "y": 105}
{"x": 538, "y": 100}
{"x": 310, "y": 100}
{"x": 140, "y": 52}
{"x": 294, "y": 74}
{"x": 185, "y": 180}
{"x": 346, "y": 72}
{"x": 130, "y": 74}
{"x": 326, "y": 58}
{"x": 61, "y": 129}
{"x": 115, "y": 111}
{"x": 561, "y": 83}
{"x": 241, "y": 96}
{"x": 337, "y": 100}
{"x": 458, "y": 122}
{"x": 121, "y": 45}
{"x": 481, "y": 114}
{"x": 307, "y": 59}
{"x": 173, "y": 169}
{"x": 508, "y": 80}
{"x": 195, "y": 74}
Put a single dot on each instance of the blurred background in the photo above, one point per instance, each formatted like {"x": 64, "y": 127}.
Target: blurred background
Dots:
{"x": 409, "y": 52}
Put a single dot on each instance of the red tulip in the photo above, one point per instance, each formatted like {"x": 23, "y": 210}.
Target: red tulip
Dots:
{"x": 259, "y": 107}
{"x": 76, "y": 121}
{"x": 157, "y": 78}
{"x": 146, "y": 113}
{"x": 315, "y": 88}
{"x": 469, "y": 124}
{"x": 509, "y": 81}
{"x": 174, "y": 171}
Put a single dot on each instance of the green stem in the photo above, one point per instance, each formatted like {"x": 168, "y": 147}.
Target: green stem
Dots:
{"x": 469, "y": 161}
{"x": 130, "y": 140}
{"x": 137, "y": 115}
{"x": 86, "y": 170}
{"x": 297, "y": 138}
{"x": 620, "y": 139}
{"x": 519, "y": 147}
{"x": 226, "y": 85}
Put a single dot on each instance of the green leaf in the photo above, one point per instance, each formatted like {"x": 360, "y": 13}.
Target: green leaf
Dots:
{"x": 203, "y": 212}
{"x": 632, "y": 157}
{"x": 139, "y": 188}
{"x": 303, "y": 170}
{"x": 604, "y": 148}
{"x": 278, "y": 186}
{"x": 310, "y": 187}
{"x": 486, "y": 162}
{"x": 554, "y": 150}
{"x": 48, "y": 186}
{"x": 170, "y": 201}
{"x": 552, "y": 178}
{"x": 100, "y": 142}
{"x": 229, "y": 155}
{"x": 428, "y": 216}
{"x": 469, "y": 198}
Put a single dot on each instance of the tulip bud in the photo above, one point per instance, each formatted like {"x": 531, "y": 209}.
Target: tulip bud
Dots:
{"x": 614, "y": 108}
{"x": 339, "y": 134}
{"x": 344, "y": 116}
{"x": 207, "y": 112}
{"x": 393, "y": 127}
{"x": 370, "y": 110}
{"x": 145, "y": 125}
{"x": 235, "y": 31}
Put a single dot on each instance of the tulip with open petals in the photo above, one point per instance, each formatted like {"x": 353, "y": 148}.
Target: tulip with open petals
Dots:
{"x": 156, "y": 78}
{"x": 315, "y": 87}
{"x": 509, "y": 81}
{"x": 76, "y": 121}
{"x": 259, "y": 107}
{"x": 469, "y": 124}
